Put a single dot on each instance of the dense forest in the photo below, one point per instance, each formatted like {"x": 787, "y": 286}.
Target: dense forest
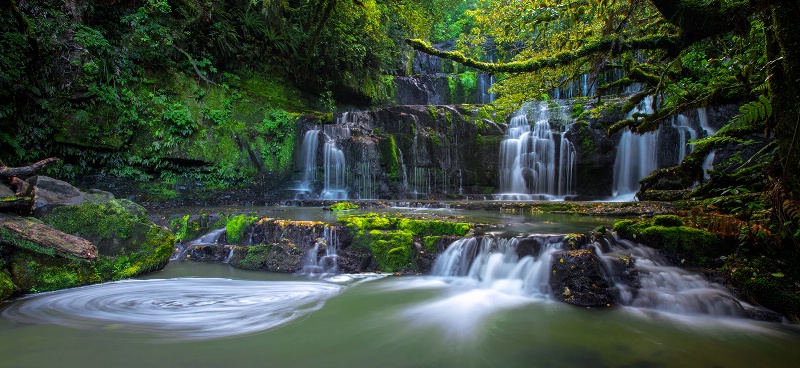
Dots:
{"x": 162, "y": 93}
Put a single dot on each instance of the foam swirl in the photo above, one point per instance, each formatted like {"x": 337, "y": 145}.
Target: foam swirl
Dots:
{"x": 186, "y": 308}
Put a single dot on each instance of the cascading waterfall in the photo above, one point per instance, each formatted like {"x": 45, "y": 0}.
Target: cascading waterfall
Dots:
{"x": 326, "y": 264}
{"x": 334, "y": 164}
{"x": 708, "y": 162}
{"x": 494, "y": 264}
{"x": 670, "y": 289}
{"x": 681, "y": 122}
{"x": 528, "y": 160}
{"x": 636, "y": 155}
{"x": 636, "y": 158}
{"x": 182, "y": 250}
{"x": 309, "y": 162}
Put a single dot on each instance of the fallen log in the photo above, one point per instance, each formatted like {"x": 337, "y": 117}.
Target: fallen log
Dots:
{"x": 32, "y": 235}
{"x": 13, "y": 176}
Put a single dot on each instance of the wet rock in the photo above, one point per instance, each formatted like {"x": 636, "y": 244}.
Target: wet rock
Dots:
{"x": 279, "y": 257}
{"x": 209, "y": 253}
{"x": 577, "y": 278}
{"x": 49, "y": 193}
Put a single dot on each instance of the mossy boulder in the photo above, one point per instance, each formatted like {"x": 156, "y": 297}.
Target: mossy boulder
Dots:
{"x": 684, "y": 244}
{"x": 128, "y": 245}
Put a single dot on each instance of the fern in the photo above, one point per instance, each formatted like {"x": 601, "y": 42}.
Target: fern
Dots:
{"x": 754, "y": 112}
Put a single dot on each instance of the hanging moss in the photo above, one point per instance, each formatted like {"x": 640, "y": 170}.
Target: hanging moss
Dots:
{"x": 389, "y": 158}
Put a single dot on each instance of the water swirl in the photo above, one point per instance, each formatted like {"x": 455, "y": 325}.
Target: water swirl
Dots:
{"x": 184, "y": 308}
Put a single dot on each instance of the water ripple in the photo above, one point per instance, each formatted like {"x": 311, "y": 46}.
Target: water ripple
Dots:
{"x": 185, "y": 308}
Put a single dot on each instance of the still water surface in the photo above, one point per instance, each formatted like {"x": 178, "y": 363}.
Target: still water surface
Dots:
{"x": 212, "y": 315}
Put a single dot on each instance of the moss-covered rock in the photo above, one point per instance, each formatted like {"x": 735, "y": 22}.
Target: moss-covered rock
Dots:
{"x": 128, "y": 245}
{"x": 687, "y": 245}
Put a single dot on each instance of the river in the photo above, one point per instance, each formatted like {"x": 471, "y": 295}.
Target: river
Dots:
{"x": 213, "y": 315}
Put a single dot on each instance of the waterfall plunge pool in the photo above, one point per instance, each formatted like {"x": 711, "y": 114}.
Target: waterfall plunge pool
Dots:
{"x": 212, "y": 315}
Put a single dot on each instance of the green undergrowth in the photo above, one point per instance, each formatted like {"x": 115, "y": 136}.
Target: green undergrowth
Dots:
{"x": 391, "y": 239}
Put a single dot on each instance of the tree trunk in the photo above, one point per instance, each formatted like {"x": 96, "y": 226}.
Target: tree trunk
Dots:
{"x": 783, "y": 58}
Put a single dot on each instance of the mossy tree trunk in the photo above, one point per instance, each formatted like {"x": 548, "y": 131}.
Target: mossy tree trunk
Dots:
{"x": 783, "y": 61}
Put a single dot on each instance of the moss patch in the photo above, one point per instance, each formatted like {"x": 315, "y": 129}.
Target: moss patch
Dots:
{"x": 236, "y": 228}
{"x": 690, "y": 245}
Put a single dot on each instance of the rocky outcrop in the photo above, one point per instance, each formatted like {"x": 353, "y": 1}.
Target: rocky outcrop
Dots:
{"x": 578, "y": 278}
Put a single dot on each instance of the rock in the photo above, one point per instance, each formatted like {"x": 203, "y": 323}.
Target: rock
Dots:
{"x": 6, "y": 192}
{"x": 279, "y": 257}
{"x": 49, "y": 193}
{"x": 577, "y": 278}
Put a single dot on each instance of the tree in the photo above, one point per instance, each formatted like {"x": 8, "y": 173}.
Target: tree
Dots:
{"x": 689, "y": 53}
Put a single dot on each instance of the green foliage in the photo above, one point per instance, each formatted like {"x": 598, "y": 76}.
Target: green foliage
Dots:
{"x": 754, "y": 112}
{"x": 237, "y": 227}
{"x": 343, "y": 206}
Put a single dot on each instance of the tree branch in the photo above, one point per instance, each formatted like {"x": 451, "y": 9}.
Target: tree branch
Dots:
{"x": 672, "y": 44}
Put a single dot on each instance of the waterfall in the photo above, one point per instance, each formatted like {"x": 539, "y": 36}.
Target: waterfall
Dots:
{"x": 667, "y": 288}
{"x": 326, "y": 264}
{"x": 636, "y": 155}
{"x": 702, "y": 115}
{"x": 494, "y": 264}
{"x": 182, "y": 250}
{"x": 334, "y": 164}
{"x": 528, "y": 160}
{"x": 309, "y": 162}
{"x": 636, "y": 158}
{"x": 684, "y": 129}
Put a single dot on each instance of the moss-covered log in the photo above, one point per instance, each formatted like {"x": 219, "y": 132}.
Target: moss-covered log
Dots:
{"x": 606, "y": 44}
{"x": 38, "y": 237}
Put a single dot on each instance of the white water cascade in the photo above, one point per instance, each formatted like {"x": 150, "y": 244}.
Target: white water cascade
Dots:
{"x": 494, "y": 264}
{"x": 669, "y": 289}
{"x": 708, "y": 162}
{"x": 529, "y": 166}
{"x": 681, "y": 122}
{"x": 325, "y": 264}
{"x": 334, "y": 163}
{"x": 309, "y": 161}
{"x": 636, "y": 156}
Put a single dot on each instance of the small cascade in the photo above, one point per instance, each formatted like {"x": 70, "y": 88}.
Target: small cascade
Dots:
{"x": 708, "y": 164}
{"x": 496, "y": 264}
{"x": 686, "y": 134}
{"x": 702, "y": 116}
{"x": 529, "y": 166}
{"x": 321, "y": 259}
{"x": 182, "y": 249}
{"x": 670, "y": 289}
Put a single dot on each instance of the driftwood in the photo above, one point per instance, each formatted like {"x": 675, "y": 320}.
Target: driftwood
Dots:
{"x": 29, "y": 234}
{"x": 14, "y": 177}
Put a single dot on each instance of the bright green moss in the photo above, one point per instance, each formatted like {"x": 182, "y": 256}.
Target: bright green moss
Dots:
{"x": 430, "y": 243}
{"x": 388, "y": 156}
{"x": 391, "y": 249}
{"x": 343, "y": 206}
{"x": 236, "y": 228}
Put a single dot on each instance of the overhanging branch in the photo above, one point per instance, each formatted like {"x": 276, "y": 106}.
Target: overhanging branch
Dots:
{"x": 671, "y": 44}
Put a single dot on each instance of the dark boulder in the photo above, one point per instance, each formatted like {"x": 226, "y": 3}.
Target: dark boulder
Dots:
{"x": 577, "y": 278}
